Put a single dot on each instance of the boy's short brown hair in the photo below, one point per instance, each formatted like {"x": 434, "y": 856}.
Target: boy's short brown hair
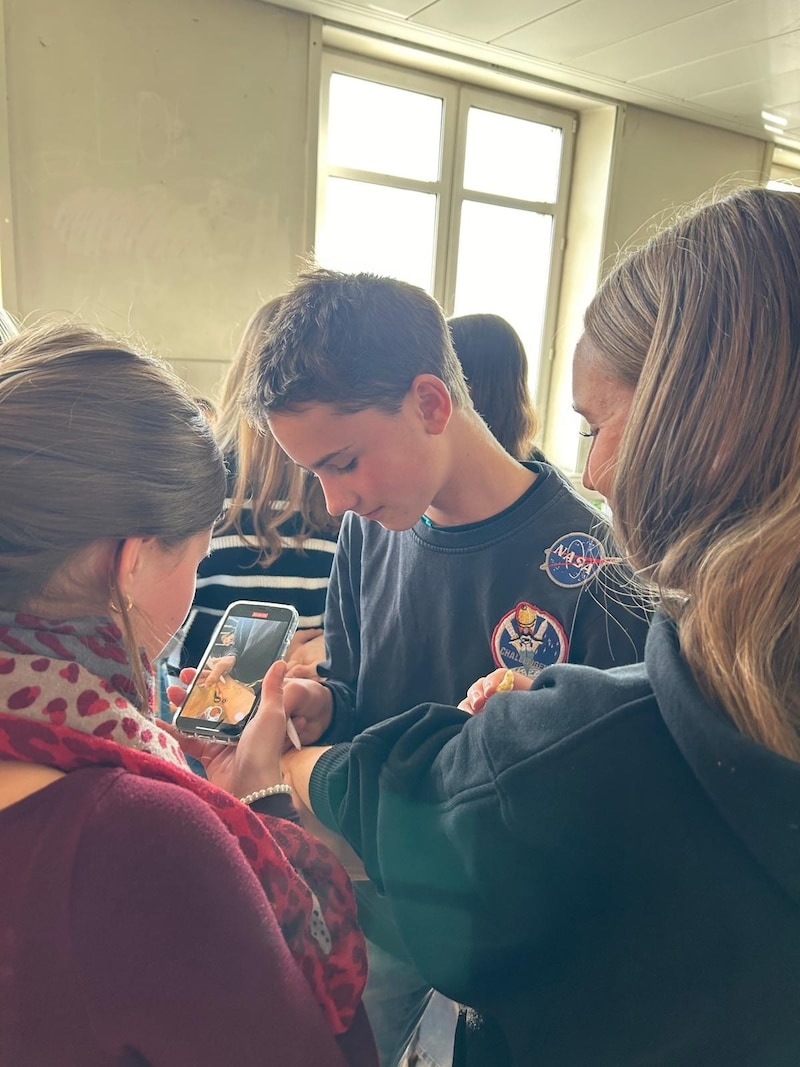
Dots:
{"x": 353, "y": 341}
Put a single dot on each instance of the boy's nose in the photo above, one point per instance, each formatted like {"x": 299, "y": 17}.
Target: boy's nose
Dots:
{"x": 338, "y": 499}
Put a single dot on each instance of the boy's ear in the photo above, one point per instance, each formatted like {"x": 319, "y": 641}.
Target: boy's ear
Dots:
{"x": 433, "y": 401}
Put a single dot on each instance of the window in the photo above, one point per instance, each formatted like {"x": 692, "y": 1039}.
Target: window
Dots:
{"x": 785, "y": 170}
{"x": 784, "y": 178}
{"x": 458, "y": 190}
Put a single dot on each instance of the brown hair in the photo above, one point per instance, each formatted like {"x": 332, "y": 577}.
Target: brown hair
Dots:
{"x": 496, "y": 368}
{"x": 263, "y": 475}
{"x": 97, "y": 441}
{"x": 707, "y": 489}
{"x": 353, "y": 341}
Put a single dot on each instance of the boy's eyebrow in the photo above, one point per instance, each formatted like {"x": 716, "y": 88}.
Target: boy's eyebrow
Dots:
{"x": 327, "y": 458}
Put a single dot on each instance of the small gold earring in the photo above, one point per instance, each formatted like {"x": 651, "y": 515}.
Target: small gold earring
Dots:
{"x": 128, "y": 605}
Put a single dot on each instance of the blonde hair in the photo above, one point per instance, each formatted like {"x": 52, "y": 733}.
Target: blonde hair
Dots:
{"x": 707, "y": 488}
{"x": 97, "y": 441}
{"x": 8, "y": 327}
{"x": 276, "y": 488}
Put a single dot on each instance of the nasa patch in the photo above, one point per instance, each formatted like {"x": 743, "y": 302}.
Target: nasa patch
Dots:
{"x": 528, "y": 639}
{"x": 574, "y": 559}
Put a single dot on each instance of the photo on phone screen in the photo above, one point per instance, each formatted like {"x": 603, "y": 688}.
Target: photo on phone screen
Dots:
{"x": 226, "y": 689}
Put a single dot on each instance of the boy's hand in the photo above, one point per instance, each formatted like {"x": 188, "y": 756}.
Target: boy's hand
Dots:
{"x": 310, "y": 705}
{"x": 480, "y": 691}
{"x": 304, "y": 656}
{"x": 307, "y": 646}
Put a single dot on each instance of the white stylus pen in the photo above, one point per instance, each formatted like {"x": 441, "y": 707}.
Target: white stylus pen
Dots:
{"x": 291, "y": 733}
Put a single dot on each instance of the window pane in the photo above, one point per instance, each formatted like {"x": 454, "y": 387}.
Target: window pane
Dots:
{"x": 503, "y": 268}
{"x": 512, "y": 157}
{"x": 379, "y": 229}
{"x": 383, "y": 129}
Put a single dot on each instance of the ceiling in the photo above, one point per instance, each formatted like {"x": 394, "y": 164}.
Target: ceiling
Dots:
{"x": 717, "y": 62}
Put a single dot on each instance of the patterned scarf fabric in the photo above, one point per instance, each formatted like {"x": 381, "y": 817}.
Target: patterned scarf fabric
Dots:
{"x": 65, "y": 701}
{"x": 93, "y": 642}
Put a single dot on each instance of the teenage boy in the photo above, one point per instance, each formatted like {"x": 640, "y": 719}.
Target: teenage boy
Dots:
{"x": 453, "y": 557}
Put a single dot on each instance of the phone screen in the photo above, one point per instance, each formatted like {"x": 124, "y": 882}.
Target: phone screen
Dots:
{"x": 226, "y": 689}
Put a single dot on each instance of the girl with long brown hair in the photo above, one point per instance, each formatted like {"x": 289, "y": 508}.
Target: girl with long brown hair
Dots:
{"x": 606, "y": 868}
{"x": 148, "y": 916}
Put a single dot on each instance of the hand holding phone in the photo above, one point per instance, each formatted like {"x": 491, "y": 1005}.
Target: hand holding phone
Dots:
{"x": 255, "y": 761}
{"x": 226, "y": 688}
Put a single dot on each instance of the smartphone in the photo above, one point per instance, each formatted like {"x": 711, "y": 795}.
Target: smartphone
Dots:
{"x": 226, "y": 690}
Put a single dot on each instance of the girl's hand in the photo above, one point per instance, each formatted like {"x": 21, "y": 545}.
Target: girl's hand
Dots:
{"x": 255, "y": 761}
{"x": 480, "y": 691}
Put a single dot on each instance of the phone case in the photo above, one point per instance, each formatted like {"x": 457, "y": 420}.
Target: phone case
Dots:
{"x": 254, "y": 634}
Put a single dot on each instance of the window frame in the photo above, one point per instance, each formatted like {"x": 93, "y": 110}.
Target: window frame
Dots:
{"x": 458, "y": 96}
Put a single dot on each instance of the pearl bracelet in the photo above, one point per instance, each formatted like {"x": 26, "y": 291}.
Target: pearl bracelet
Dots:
{"x": 270, "y": 791}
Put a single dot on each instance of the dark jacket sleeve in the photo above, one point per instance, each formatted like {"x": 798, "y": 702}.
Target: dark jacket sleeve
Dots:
{"x": 465, "y": 824}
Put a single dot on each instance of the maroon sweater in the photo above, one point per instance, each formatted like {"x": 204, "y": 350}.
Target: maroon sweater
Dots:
{"x": 133, "y": 931}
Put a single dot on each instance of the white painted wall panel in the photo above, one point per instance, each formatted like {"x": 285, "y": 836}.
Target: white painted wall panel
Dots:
{"x": 157, "y": 158}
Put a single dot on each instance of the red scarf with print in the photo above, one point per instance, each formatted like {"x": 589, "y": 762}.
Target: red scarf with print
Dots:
{"x": 62, "y": 715}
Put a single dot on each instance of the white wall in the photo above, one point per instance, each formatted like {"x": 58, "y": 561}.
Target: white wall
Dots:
{"x": 157, "y": 159}
{"x": 663, "y": 163}
{"x": 158, "y": 173}
{"x": 634, "y": 170}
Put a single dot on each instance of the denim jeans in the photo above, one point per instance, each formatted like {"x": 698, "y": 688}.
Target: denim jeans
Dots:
{"x": 395, "y": 998}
